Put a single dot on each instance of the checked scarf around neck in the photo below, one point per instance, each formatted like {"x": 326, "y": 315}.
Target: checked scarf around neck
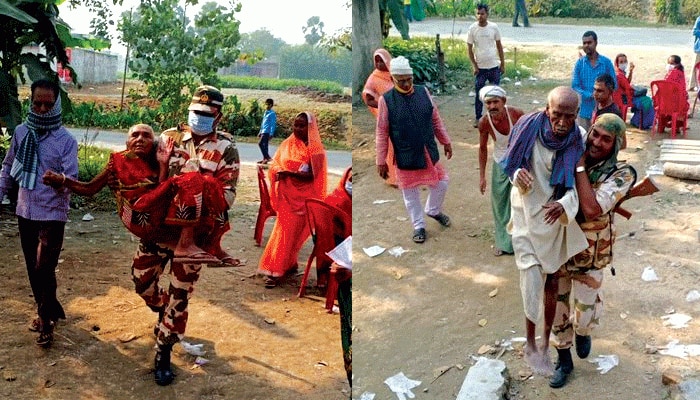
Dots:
{"x": 26, "y": 164}
{"x": 568, "y": 150}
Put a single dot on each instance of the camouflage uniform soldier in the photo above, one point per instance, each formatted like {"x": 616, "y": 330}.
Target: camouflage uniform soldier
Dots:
{"x": 199, "y": 148}
{"x": 601, "y": 182}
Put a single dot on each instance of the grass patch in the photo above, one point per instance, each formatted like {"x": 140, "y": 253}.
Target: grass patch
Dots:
{"x": 91, "y": 161}
{"x": 254, "y": 82}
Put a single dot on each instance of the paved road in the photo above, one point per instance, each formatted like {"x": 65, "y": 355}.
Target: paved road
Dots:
{"x": 338, "y": 161}
{"x": 561, "y": 34}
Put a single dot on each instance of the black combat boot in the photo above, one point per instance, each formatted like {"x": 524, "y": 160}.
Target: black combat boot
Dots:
{"x": 565, "y": 365}
{"x": 164, "y": 374}
{"x": 583, "y": 346}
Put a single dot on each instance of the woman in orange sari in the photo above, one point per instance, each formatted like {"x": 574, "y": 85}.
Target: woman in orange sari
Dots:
{"x": 378, "y": 83}
{"x": 297, "y": 172}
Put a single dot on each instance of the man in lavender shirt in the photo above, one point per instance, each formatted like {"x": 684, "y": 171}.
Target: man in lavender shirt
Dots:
{"x": 40, "y": 144}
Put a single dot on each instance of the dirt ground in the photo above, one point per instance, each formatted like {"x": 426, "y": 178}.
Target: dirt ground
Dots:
{"x": 260, "y": 343}
{"x": 419, "y": 314}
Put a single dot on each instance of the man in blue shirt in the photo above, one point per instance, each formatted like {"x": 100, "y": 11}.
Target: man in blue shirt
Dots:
{"x": 586, "y": 70}
{"x": 267, "y": 130}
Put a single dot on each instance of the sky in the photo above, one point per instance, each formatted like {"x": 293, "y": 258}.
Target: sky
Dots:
{"x": 284, "y": 18}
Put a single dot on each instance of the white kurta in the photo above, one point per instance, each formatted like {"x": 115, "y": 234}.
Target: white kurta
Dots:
{"x": 541, "y": 248}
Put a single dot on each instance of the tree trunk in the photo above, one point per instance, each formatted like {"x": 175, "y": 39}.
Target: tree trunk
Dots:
{"x": 366, "y": 38}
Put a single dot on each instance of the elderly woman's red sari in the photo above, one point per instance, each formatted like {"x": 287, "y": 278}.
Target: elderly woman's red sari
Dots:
{"x": 288, "y": 197}
{"x": 149, "y": 210}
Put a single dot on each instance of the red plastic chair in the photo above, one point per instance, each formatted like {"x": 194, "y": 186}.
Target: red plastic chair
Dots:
{"x": 328, "y": 225}
{"x": 265, "y": 211}
{"x": 623, "y": 111}
{"x": 696, "y": 71}
{"x": 670, "y": 101}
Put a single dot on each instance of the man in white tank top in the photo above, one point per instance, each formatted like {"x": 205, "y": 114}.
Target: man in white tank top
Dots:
{"x": 497, "y": 123}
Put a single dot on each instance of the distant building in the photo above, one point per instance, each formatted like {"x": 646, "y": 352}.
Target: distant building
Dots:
{"x": 91, "y": 66}
{"x": 263, "y": 69}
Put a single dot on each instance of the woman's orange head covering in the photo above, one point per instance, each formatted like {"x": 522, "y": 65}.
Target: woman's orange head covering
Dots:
{"x": 385, "y": 56}
{"x": 293, "y": 152}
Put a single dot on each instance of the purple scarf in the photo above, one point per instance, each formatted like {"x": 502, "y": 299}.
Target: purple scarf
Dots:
{"x": 568, "y": 150}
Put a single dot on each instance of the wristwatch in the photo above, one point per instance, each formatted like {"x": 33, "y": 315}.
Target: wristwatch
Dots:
{"x": 580, "y": 169}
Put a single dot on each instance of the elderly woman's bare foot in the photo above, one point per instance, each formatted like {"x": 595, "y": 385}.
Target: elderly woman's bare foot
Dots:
{"x": 193, "y": 255}
{"x": 538, "y": 360}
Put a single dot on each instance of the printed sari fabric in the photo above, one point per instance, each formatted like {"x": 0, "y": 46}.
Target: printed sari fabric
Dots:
{"x": 145, "y": 207}
{"x": 288, "y": 197}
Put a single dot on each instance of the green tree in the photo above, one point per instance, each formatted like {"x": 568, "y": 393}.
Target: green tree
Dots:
{"x": 342, "y": 38}
{"x": 261, "y": 42}
{"x": 32, "y": 22}
{"x": 169, "y": 53}
{"x": 313, "y": 31}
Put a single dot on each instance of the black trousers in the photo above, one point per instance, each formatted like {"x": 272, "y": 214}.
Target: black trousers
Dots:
{"x": 41, "y": 245}
{"x": 264, "y": 145}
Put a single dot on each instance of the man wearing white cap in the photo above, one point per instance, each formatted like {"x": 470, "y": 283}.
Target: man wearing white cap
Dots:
{"x": 497, "y": 124}
{"x": 410, "y": 119}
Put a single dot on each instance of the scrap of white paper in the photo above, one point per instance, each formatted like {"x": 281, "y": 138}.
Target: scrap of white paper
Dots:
{"x": 401, "y": 385}
{"x": 194, "y": 349}
{"x": 381, "y": 201}
{"x": 676, "y": 320}
{"x": 88, "y": 217}
{"x": 373, "y": 251}
{"x": 342, "y": 253}
{"x": 367, "y": 396}
{"x": 693, "y": 295}
{"x": 397, "y": 251}
{"x": 649, "y": 275}
{"x": 605, "y": 362}
{"x": 674, "y": 349}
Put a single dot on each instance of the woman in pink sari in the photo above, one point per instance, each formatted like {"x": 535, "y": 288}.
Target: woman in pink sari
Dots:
{"x": 378, "y": 83}
{"x": 298, "y": 172}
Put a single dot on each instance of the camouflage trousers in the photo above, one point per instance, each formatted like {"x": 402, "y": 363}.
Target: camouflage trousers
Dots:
{"x": 148, "y": 266}
{"x": 587, "y": 302}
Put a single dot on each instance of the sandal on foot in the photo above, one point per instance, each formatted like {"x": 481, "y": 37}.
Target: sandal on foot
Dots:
{"x": 35, "y": 325}
{"x": 270, "y": 282}
{"x": 201, "y": 257}
{"x": 227, "y": 261}
{"x": 443, "y": 219}
{"x": 419, "y": 235}
{"x": 45, "y": 339}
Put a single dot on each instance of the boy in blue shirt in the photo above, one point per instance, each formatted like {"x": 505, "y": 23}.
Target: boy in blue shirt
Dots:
{"x": 267, "y": 130}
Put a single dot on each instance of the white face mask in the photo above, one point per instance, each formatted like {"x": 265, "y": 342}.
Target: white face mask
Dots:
{"x": 622, "y": 66}
{"x": 669, "y": 67}
{"x": 348, "y": 188}
{"x": 200, "y": 125}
